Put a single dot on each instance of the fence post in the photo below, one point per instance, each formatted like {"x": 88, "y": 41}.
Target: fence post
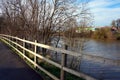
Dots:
{"x": 23, "y": 46}
{"x": 35, "y": 50}
{"x": 63, "y": 63}
{"x": 16, "y": 43}
{"x": 9, "y": 40}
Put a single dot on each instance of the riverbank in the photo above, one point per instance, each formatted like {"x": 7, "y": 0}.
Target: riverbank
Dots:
{"x": 104, "y": 33}
{"x": 96, "y": 36}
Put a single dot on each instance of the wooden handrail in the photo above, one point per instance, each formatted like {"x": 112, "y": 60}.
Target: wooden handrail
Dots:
{"x": 9, "y": 39}
{"x": 99, "y": 58}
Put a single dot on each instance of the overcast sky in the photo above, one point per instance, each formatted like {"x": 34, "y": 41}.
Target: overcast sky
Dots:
{"x": 105, "y": 11}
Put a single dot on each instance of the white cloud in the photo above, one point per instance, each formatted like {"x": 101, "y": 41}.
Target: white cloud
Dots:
{"x": 103, "y": 13}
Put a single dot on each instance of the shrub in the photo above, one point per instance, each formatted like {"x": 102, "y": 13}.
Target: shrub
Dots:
{"x": 103, "y": 33}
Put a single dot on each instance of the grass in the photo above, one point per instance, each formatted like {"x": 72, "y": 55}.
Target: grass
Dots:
{"x": 56, "y": 71}
{"x": 52, "y": 69}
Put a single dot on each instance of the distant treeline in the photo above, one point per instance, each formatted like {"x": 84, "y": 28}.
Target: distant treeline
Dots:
{"x": 104, "y": 33}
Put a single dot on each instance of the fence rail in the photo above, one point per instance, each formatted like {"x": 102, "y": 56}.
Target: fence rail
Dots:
{"x": 10, "y": 40}
{"x": 15, "y": 40}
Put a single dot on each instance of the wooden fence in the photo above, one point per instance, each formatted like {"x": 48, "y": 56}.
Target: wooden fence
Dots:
{"x": 14, "y": 43}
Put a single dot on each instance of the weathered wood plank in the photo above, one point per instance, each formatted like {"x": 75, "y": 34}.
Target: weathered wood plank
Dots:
{"x": 42, "y": 69}
{"x": 97, "y": 58}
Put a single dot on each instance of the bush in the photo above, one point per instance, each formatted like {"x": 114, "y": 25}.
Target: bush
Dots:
{"x": 103, "y": 33}
{"x": 117, "y": 35}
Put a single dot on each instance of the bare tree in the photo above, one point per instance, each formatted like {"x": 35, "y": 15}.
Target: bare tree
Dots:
{"x": 42, "y": 19}
{"x": 85, "y": 20}
{"x": 46, "y": 17}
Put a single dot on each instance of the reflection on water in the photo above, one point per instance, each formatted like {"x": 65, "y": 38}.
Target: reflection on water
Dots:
{"x": 106, "y": 49}
{"x": 103, "y": 48}
{"x": 99, "y": 70}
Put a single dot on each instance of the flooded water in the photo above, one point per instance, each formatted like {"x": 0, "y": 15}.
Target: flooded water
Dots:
{"x": 101, "y": 70}
{"x": 105, "y": 49}
{"x": 98, "y": 69}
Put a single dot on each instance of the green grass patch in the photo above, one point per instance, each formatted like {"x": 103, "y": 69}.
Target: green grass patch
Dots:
{"x": 72, "y": 77}
{"x": 52, "y": 69}
{"x": 56, "y": 71}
